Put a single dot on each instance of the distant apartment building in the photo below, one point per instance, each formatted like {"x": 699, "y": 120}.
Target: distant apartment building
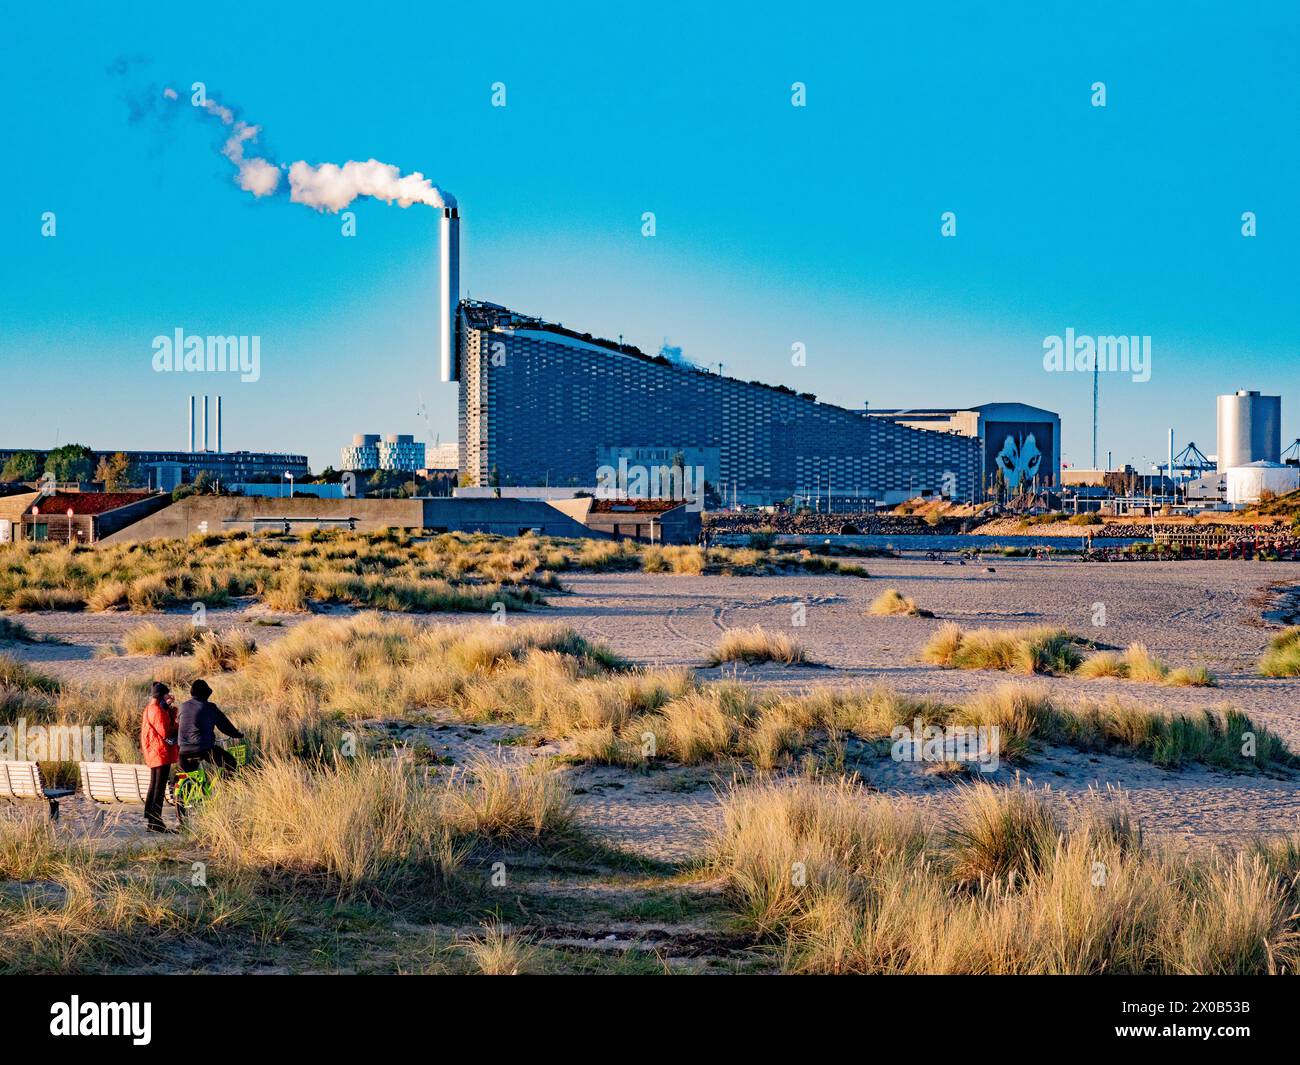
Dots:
{"x": 396, "y": 451}
{"x": 165, "y": 470}
{"x": 400, "y": 451}
{"x": 363, "y": 454}
{"x": 442, "y": 457}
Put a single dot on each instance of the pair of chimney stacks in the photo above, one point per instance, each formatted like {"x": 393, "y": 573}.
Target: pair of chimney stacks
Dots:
{"x": 205, "y": 424}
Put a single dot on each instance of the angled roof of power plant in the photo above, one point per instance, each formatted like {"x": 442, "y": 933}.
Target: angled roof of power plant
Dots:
{"x": 482, "y": 315}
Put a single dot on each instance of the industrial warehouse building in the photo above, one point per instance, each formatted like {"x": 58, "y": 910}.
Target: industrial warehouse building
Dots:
{"x": 540, "y": 404}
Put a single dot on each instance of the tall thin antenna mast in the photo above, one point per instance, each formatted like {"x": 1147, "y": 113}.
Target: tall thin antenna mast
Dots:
{"x": 1096, "y": 377}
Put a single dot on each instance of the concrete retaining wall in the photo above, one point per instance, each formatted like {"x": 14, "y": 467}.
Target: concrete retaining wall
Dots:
{"x": 230, "y": 513}
{"x": 504, "y": 517}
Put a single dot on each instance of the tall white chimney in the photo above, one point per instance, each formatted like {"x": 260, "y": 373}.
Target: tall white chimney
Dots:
{"x": 218, "y": 425}
{"x": 191, "y": 425}
{"x": 205, "y": 423}
{"x": 449, "y": 290}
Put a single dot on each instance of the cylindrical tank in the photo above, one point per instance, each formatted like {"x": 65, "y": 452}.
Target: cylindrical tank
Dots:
{"x": 1250, "y": 429}
{"x": 1250, "y": 484}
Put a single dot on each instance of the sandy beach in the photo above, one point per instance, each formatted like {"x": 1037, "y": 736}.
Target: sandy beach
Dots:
{"x": 1212, "y": 614}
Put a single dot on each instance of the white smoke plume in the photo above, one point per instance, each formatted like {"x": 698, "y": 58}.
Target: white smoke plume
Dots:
{"x": 327, "y": 187}
{"x": 331, "y": 188}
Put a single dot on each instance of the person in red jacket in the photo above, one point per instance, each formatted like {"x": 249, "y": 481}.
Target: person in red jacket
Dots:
{"x": 158, "y": 742}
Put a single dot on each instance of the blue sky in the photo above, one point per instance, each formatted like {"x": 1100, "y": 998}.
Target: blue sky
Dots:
{"x": 775, "y": 224}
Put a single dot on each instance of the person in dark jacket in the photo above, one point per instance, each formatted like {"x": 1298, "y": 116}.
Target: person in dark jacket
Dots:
{"x": 199, "y": 721}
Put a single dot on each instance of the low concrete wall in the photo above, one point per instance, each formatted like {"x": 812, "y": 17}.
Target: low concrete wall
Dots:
{"x": 229, "y": 513}
{"x": 503, "y": 517}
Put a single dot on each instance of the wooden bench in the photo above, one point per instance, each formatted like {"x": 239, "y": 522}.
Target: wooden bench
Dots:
{"x": 115, "y": 782}
{"x": 21, "y": 781}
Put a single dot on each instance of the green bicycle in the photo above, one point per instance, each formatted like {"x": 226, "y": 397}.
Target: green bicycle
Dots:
{"x": 192, "y": 787}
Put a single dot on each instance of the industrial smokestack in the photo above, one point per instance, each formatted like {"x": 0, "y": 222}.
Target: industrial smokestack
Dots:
{"x": 191, "y": 425}
{"x": 218, "y": 425}
{"x": 205, "y": 423}
{"x": 449, "y": 290}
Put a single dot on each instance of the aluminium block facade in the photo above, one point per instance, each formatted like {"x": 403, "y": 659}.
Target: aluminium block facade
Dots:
{"x": 538, "y": 405}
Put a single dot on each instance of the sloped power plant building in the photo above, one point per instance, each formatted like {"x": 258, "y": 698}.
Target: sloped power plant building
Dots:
{"x": 544, "y": 405}
{"x": 540, "y": 404}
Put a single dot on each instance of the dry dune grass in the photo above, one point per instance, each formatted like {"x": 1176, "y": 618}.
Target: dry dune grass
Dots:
{"x": 755, "y": 645}
{"x": 1190, "y": 677}
{"x": 677, "y": 559}
{"x": 507, "y": 805}
{"x": 29, "y": 599}
{"x": 1142, "y": 666}
{"x": 105, "y": 919}
{"x": 151, "y": 639}
{"x": 1138, "y": 664}
{"x": 843, "y": 881}
{"x": 30, "y": 847}
{"x": 17, "y": 676}
{"x": 72, "y": 907}
{"x": 350, "y": 828}
{"x": 1034, "y": 650}
{"x": 500, "y": 952}
{"x": 351, "y": 831}
{"x": 1052, "y": 651}
{"x": 1102, "y": 664}
{"x": 383, "y": 571}
{"x": 297, "y": 695}
{"x": 220, "y": 652}
{"x": 1282, "y": 659}
{"x": 892, "y": 603}
{"x": 365, "y": 827}
{"x": 326, "y": 678}
{"x": 393, "y": 570}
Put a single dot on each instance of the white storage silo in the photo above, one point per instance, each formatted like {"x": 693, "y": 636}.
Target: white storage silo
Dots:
{"x": 1250, "y": 429}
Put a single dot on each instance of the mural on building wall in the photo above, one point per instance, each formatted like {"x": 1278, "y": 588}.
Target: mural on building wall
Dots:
{"x": 1021, "y": 450}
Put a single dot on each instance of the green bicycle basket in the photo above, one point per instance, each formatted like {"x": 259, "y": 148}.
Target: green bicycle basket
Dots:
{"x": 192, "y": 787}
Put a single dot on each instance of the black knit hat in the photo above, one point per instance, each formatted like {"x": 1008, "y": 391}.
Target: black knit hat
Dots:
{"x": 199, "y": 689}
